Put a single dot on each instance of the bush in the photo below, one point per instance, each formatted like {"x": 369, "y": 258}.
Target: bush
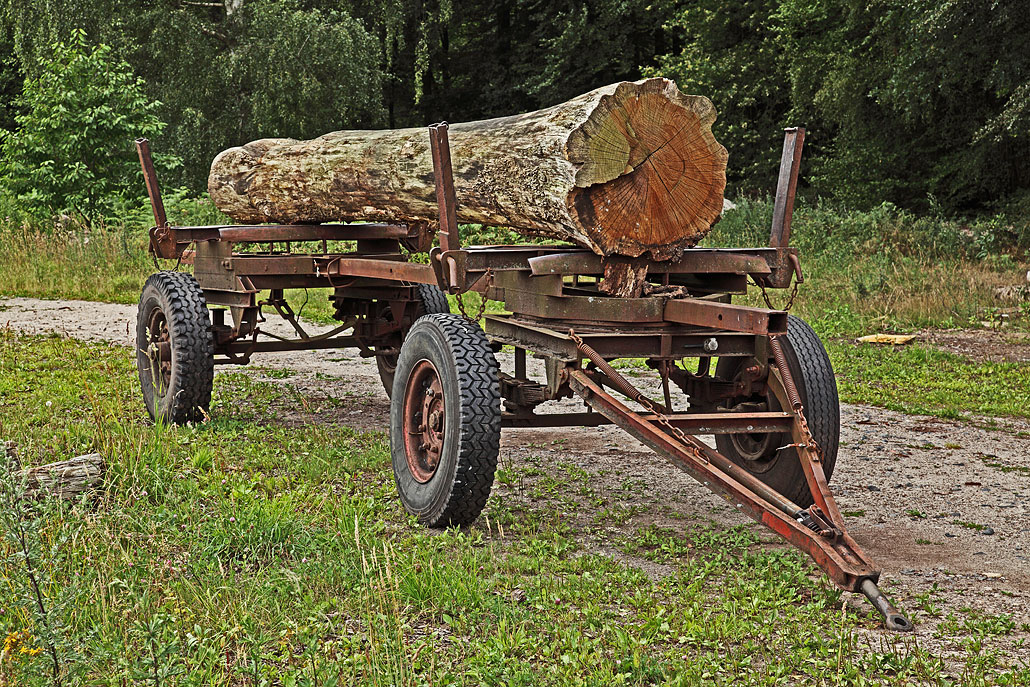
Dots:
{"x": 72, "y": 151}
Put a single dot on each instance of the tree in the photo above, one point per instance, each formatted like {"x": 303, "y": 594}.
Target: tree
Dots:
{"x": 223, "y": 73}
{"x": 730, "y": 54}
{"x": 72, "y": 150}
{"x": 920, "y": 98}
{"x": 267, "y": 69}
{"x": 10, "y": 79}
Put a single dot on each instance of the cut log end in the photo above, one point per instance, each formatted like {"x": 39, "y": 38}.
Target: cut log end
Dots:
{"x": 651, "y": 175}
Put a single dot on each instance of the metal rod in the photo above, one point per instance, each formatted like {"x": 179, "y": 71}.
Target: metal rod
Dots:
{"x": 520, "y": 363}
{"x": 693, "y": 423}
{"x": 893, "y": 618}
{"x": 786, "y": 186}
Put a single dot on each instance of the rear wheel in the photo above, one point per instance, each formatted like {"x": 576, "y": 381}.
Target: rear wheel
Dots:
{"x": 174, "y": 349}
{"x": 810, "y": 367}
{"x": 445, "y": 420}
{"x": 429, "y": 299}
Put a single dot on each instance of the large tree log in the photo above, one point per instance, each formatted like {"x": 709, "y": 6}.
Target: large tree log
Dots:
{"x": 630, "y": 169}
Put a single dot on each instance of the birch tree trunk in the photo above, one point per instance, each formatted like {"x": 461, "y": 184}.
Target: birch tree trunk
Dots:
{"x": 630, "y": 169}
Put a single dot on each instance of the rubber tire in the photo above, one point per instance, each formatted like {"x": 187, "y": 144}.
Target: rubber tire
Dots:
{"x": 430, "y": 299}
{"x": 813, "y": 375}
{"x": 181, "y": 299}
{"x": 459, "y": 350}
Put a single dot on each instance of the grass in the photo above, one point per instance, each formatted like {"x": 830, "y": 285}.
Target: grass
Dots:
{"x": 881, "y": 270}
{"x": 93, "y": 265}
{"x": 250, "y": 550}
{"x": 888, "y": 270}
{"x": 925, "y": 381}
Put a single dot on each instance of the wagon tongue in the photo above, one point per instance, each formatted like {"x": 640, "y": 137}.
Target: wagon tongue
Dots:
{"x": 818, "y": 530}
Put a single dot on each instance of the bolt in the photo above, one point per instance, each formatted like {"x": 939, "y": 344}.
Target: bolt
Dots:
{"x": 710, "y": 345}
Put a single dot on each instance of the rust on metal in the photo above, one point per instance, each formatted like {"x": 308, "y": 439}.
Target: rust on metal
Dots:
{"x": 691, "y": 423}
{"x": 389, "y": 269}
{"x": 786, "y": 186}
{"x": 424, "y": 421}
{"x": 163, "y": 241}
{"x": 442, "y": 174}
{"x": 150, "y": 179}
{"x": 735, "y": 318}
{"x": 694, "y": 261}
{"x": 841, "y": 559}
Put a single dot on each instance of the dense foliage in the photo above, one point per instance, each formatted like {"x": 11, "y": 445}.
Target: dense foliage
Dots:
{"x": 72, "y": 150}
{"x": 922, "y": 103}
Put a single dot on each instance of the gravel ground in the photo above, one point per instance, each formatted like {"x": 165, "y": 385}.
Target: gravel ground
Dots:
{"x": 942, "y": 506}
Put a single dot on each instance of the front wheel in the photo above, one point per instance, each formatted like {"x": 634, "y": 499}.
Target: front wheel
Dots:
{"x": 445, "y": 420}
{"x": 762, "y": 454}
{"x": 174, "y": 348}
{"x": 429, "y": 299}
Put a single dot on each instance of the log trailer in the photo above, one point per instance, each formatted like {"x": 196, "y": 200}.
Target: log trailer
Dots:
{"x": 770, "y": 398}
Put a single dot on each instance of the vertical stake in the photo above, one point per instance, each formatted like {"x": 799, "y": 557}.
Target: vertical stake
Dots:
{"x": 150, "y": 179}
{"x": 441, "y": 150}
{"x": 786, "y": 186}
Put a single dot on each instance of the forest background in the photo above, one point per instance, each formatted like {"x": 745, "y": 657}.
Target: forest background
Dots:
{"x": 923, "y": 104}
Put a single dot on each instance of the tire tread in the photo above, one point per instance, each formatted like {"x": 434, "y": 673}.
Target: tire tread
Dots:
{"x": 480, "y": 419}
{"x": 189, "y": 326}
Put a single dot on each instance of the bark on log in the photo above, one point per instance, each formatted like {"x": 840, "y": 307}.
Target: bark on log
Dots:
{"x": 65, "y": 479}
{"x": 630, "y": 169}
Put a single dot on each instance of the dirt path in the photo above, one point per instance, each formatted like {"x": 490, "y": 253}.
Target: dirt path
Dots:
{"x": 943, "y": 506}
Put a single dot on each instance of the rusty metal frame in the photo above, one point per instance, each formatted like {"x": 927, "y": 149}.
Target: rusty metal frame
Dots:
{"x": 818, "y": 530}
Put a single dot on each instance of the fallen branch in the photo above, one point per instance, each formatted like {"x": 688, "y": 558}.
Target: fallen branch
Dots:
{"x": 65, "y": 479}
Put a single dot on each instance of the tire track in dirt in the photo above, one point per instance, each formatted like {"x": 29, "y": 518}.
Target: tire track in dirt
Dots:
{"x": 942, "y": 506}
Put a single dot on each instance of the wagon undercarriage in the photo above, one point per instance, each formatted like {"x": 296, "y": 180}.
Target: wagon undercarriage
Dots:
{"x": 761, "y": 384}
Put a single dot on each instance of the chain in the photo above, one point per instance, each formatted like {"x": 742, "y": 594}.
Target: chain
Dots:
{"x": 806, "y": 434}
{"x": 482, "y": 301}
{"x": 479, "y": 313}
{"x": 680, "y": 435}
{"x": 157, "y": 265}
{"x": 768, "y": 302}
{"x": 660, "y": 416}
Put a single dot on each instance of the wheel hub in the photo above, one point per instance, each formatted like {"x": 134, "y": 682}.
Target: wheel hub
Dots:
{"x": 159, "y": 351}
{"x": 424, "y": 421}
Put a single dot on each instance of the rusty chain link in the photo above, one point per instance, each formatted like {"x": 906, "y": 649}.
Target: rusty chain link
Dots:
{"x": 489, "y": 276}
{"x": 768, "y": 302}
{"x": 479, "y": 313}
{"x": 637, "y": 396}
